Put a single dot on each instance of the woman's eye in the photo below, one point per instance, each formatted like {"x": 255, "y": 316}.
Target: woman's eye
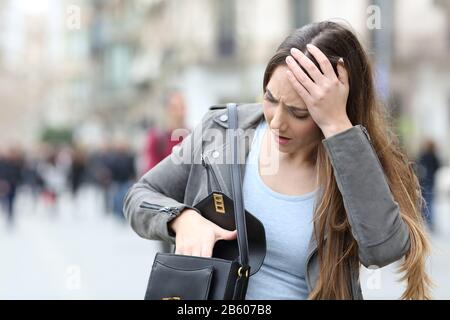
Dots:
{"x": 297, "y": 116}
{"x": 270, "y": 100}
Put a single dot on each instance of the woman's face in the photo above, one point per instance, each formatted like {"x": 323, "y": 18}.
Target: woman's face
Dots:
{"x": 288, "y": 116}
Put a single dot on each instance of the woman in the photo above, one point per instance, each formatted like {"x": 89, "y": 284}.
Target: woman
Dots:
{"x": 337, "y": 193}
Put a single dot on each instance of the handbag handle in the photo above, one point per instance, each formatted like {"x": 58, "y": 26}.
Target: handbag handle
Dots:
{"x": 236, "y": 186}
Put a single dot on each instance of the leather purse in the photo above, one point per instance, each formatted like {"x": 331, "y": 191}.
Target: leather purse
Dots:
{"x": 225, "y": 275}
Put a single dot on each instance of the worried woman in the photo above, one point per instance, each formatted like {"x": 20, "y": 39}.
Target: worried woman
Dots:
{"x": 323, "y": 173}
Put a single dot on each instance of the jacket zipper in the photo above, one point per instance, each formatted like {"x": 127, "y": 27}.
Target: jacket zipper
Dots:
{"x": 152, "y": 206}
{"x": 373, "y": 148}
{"x": 207, "y": 165}
{"x": 157, "y": 207}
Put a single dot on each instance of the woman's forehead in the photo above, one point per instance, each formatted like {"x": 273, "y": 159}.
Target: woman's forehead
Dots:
{"x": 281, "y": 88}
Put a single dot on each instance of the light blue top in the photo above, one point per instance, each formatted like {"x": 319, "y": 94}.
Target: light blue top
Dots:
{"x": 287, "y": 221}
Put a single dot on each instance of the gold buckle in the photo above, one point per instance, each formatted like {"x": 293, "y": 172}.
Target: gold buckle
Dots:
{"x": 218, "y": 203}
{"x": 171, "y": 298}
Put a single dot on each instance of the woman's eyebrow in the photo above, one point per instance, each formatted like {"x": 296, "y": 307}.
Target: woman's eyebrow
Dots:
{"x": 271, "y": 97}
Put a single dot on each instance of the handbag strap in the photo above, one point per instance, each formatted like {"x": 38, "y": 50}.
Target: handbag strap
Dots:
{"x": 235, "y": 170}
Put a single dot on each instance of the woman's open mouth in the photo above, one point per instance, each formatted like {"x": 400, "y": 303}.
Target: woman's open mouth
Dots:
{"x": 281, "y": 140}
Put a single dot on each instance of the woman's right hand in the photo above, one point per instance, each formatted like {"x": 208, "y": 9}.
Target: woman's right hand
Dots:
{"x": 196, "y": 235}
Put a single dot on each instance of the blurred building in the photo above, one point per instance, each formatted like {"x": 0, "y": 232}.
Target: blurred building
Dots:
{"x": 106, "y": 76}
{"x": 45, "y": 69}
{"x": 215, "y": 51}
{"x": 421, "y": 72}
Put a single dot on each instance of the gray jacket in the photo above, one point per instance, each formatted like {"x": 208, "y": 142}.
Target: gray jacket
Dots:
{"x": 175, "y": 184}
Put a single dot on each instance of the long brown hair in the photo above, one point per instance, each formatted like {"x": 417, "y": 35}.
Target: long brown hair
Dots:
{"x": 338, "y": 254}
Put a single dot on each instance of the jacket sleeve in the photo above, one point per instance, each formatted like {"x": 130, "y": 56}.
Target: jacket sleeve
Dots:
{"x": 157, "y": 198}
{"x": 376, "y": 224}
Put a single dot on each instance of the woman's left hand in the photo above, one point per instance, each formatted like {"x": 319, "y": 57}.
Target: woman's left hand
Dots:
{"x": 326, "y": 96}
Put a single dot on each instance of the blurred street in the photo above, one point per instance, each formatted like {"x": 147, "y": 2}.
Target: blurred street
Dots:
{"x": 82, "y": 253}
{"x": 383, "y": 284}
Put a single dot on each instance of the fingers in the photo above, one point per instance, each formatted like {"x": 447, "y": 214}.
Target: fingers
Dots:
{"x": 323, "y": 61}
{"x": 203, "y": 247}
{"x": 207, "y": 251}
{"x": 188, "y": 250}
{"x": 204, "y": 250}
{"x": 316, "y": 87}
{"x": 177, "y": 245}
{"x": 342, "y": 72}
{"x": 301, "y": 91}
{"x": 300, "y": 75}
{"x": 196, "y": 251}
{"x": 180, "y": 249}
{"x": 308, "y": 65}
{"x": 229, "y": 235}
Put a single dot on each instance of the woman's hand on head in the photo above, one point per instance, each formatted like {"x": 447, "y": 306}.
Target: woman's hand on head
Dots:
{"x": 326, "y": 94}
{"x": 196, "y": 236}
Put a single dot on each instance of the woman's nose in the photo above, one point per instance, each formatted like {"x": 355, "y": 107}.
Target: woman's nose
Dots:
{"x": 278, "y": 122}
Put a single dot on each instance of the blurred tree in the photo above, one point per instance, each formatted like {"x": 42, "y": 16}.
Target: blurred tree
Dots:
{"x": 57, "y": 136}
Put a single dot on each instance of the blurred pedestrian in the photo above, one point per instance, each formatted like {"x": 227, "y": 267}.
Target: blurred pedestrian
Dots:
{"x": 32, "y": 180}
{"x": 77, "y": 170}
{"x": 54, "y": 171}
{"x": 99, "y": 172}
{"x": 159, "y": 140}
{"x": 428, "y": 164}
{"x": 123, "y": 170}
{"x": 11, "y": 170}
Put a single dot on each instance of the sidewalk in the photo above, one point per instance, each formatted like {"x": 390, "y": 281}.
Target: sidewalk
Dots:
{"x": 85, "y": 254}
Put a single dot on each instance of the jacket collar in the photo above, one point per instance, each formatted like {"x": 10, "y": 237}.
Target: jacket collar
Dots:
{"x": 248, "y": 115}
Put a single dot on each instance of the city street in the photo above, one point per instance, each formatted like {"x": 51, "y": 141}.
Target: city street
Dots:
{"x": 82, "y": 253}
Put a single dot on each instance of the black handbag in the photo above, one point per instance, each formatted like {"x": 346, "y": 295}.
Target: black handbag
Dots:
{"x": 225, "y": 275}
